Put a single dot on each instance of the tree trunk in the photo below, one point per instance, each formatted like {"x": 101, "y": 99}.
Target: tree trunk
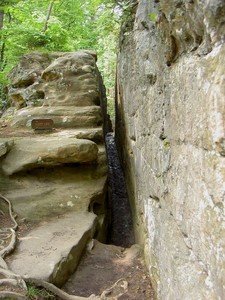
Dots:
{"x": 48, "y": 15}
{"x": 2, "y": 43}
{"x": 1, "y": 19}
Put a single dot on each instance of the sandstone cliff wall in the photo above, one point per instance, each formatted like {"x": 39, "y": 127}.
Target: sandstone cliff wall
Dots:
{"x": 171, "y": 133}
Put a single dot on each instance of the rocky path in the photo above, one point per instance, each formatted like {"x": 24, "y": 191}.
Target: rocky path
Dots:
{"x": 115, "y": 270}
{"x": 112, "y": 272}
{"x": 109, "y": 271}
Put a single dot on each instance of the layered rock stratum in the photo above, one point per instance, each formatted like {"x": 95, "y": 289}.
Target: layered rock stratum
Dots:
{"x": 170, "y": 128}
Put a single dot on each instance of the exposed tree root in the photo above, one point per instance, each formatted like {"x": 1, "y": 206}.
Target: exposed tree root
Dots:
{"x": 107, "y": 292}
{"x": 3, "y": 264}
{"x": 10, "y": 211}
{"x": 7, "y": 281}
{"x": 56, "y": 291}
{"x": 11, "y": 279}
{"x": 11, "y": 295}
{"x": 9, "y": 275}
{"x": 11, "y": 245}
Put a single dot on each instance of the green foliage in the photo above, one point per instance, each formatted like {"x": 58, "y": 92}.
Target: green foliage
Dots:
{"x": 73, "y": 25}
{"x": 34, "y": 293}
{"x": 152, "y": 17}
{"x": 4, "y": 4}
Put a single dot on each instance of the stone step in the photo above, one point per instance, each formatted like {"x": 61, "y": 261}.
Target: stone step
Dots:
{"x": 52, "y": 193}
{"x": 29, "y": 153}
{"x": 58, "y": 211}
{"x": 93, "y": 134}
{"x": 52, "y": 250}
{"x": 62, "y": 116}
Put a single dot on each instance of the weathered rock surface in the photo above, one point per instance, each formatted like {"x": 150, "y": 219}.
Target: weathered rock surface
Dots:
{"x": 44, "y": 152}
{"x": 170, "y": 127}
{"x": 56, "y": 180}
{"x": 81, "y": 85}
{"x": 63, "y": 117}
{"x": 53, "y": 250}
{"x": 93, "y": 134}
{"x": 5, "y": 146}
{"x": 45, "y": 193}
{"x": 55, "y": 79}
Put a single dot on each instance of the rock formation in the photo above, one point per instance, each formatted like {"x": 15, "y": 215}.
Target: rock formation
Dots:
{"x": 171, "y": 133}
{"x": 54, "y": 177}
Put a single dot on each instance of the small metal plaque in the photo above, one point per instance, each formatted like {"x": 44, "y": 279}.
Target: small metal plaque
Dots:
{"x": 42, "y": 124}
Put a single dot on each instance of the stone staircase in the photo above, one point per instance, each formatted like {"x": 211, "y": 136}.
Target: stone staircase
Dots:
{"x": 56, "y": 180}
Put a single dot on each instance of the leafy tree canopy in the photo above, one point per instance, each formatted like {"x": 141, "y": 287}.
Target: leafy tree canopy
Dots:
{"x": 59, "y": 25}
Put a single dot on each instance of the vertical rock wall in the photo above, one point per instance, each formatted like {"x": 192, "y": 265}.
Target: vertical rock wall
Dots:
{"x": 171, "y": 132}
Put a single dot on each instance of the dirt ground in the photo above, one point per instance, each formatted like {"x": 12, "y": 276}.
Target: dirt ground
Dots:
{"x": 112, "y": 271}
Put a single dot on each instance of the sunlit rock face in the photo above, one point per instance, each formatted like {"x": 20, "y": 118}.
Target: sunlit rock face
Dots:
{"x": 171, "y": 133}
{"x": 56, "y": 81}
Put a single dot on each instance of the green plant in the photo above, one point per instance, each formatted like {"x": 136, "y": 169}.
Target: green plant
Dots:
{"x": 152, "y": 16}
{"x": 32, "y": 292}
{"x": 166, "y": 144}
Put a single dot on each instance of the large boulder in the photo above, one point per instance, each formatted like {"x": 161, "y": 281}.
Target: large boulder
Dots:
{"x": 72, "y": 80}
{"x": 58, "y": 79}
{"x": 25, "y": 78}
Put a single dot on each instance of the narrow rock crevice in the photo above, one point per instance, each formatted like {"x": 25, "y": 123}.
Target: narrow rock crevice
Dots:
{"x": 121, "y": 230}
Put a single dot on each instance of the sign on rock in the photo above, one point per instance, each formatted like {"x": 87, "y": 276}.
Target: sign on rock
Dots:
{"x": 42, "y": 124}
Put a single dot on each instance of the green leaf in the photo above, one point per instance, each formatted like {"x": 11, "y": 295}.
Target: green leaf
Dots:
{"x": 152, "y": 17}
